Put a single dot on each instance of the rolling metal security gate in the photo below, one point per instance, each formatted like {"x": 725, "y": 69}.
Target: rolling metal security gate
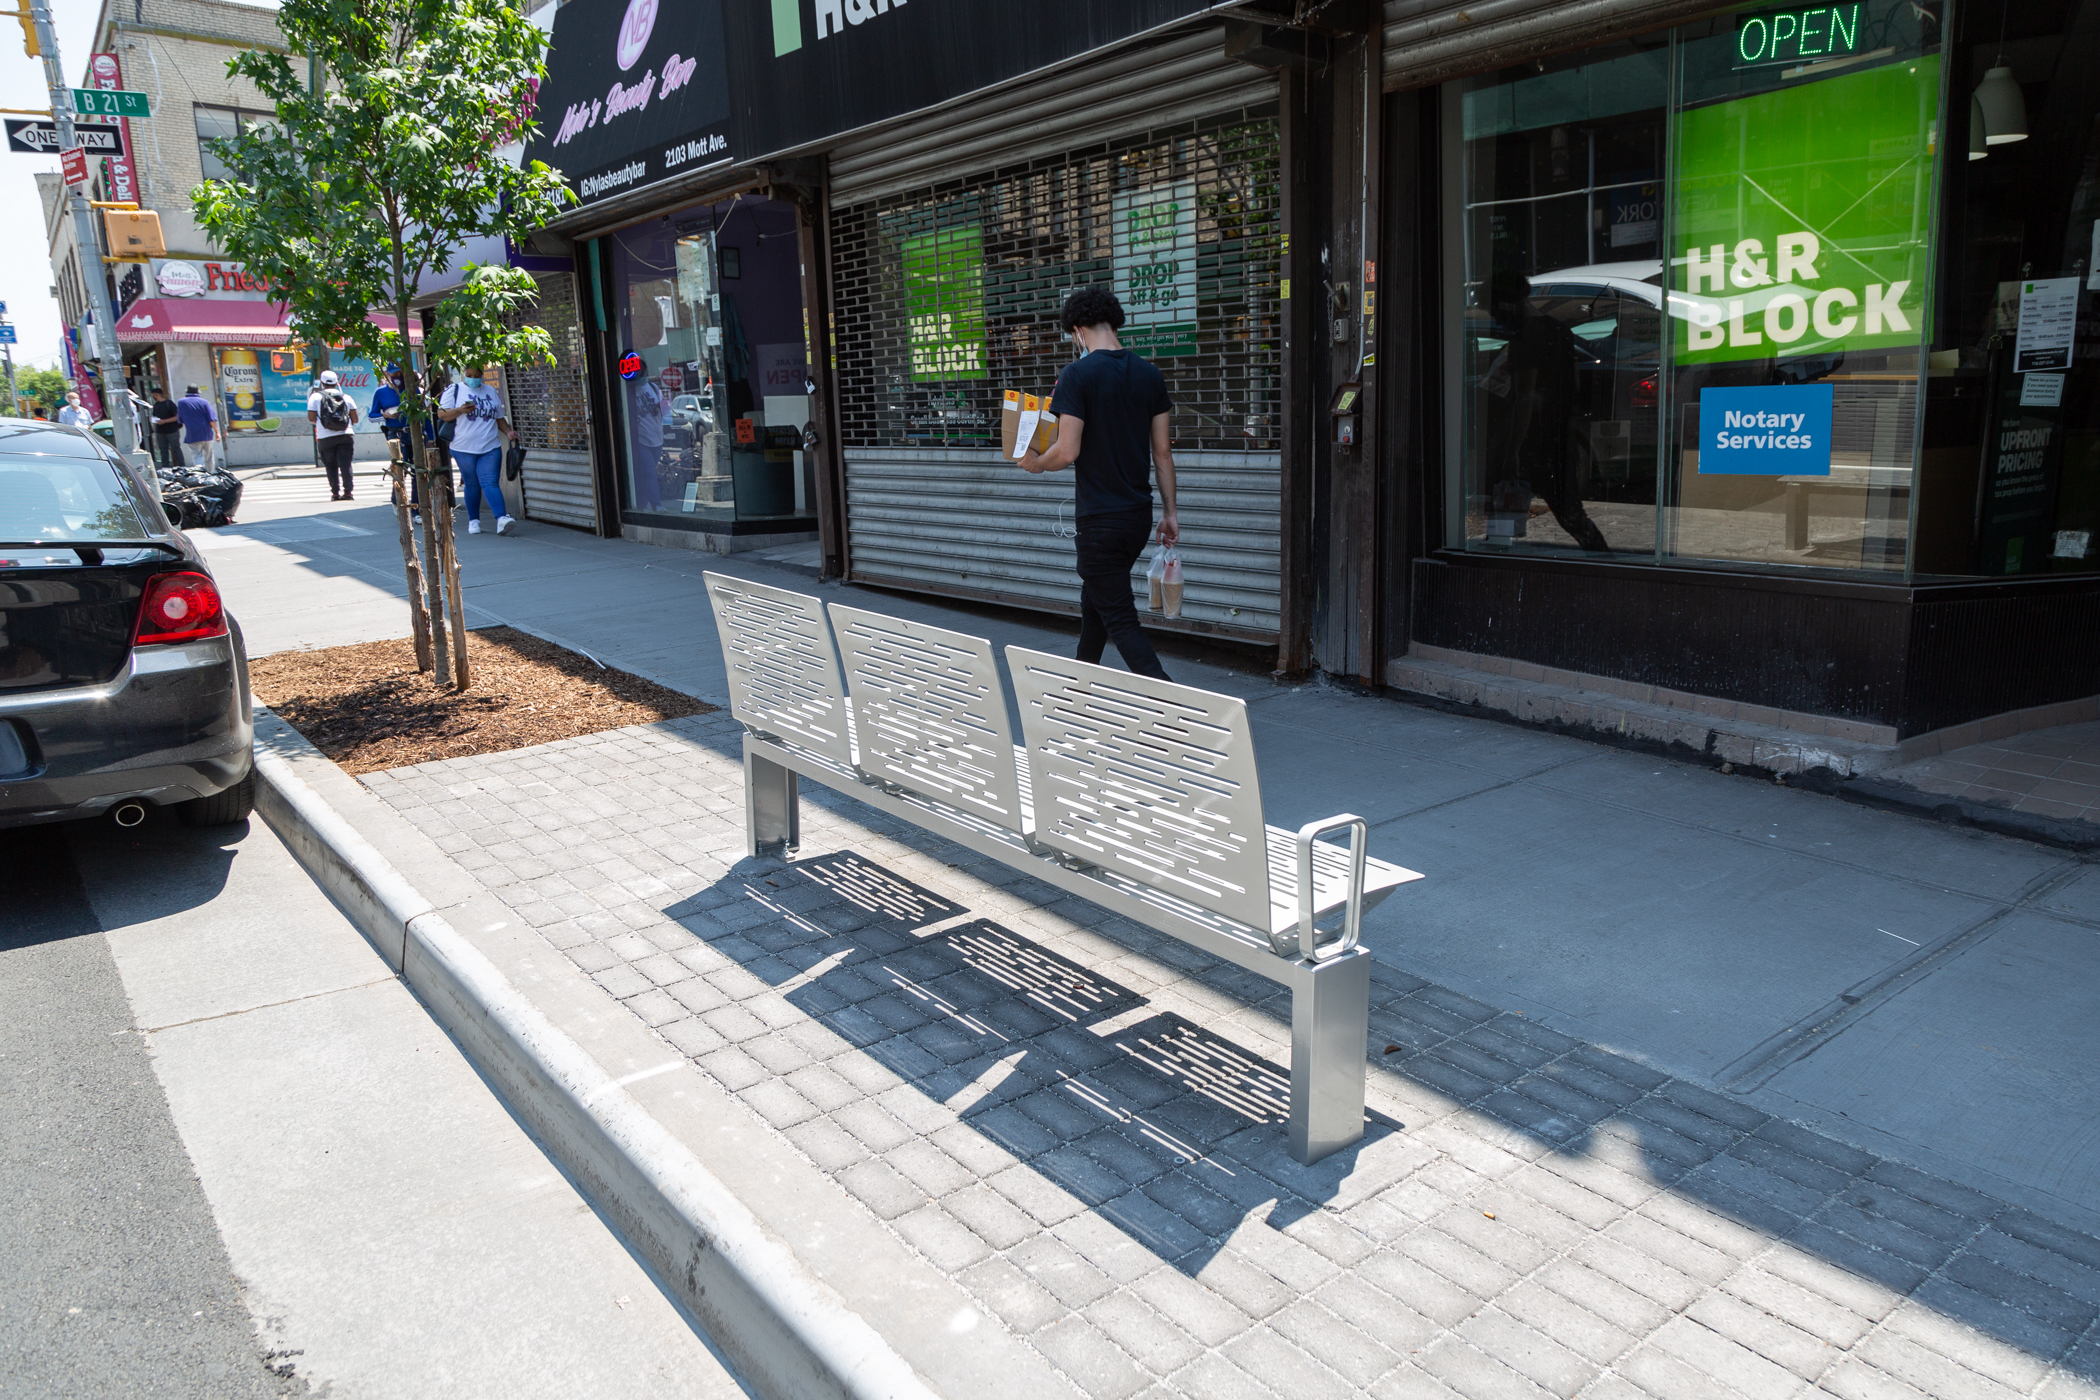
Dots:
{"x": 947, "y": 296}
{"x": 1427, "y": 41}
{"x": 548, "y": 407}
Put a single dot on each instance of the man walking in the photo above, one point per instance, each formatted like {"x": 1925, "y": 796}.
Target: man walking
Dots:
{"x": 167, "y": 432}
{"x": 73, "y": 415}
{"x": 334, "y": 418}
{"x": 200, "y": 427}
{"x": 1112, "y": 411}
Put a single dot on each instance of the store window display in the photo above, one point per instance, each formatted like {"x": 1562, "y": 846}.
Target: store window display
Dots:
{"x": 713, "y": 385}
{"x": 1690, "y": 305}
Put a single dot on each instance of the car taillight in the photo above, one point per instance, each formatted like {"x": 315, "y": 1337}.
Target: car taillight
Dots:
{"x": 180, "y": 608}
{"x": 1644, "y": 392}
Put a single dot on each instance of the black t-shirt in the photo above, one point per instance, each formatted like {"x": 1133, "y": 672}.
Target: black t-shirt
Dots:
{"x": 1117, "y": 395}
{"x": 165, "y": 408}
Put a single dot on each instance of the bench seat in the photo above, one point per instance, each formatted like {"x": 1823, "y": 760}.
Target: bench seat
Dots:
{"x": 1139, "y": 795}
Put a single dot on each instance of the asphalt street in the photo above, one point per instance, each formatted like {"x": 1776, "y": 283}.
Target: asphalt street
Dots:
{"x": 113, "y": 1278}
{"x": 238, "y": 1159}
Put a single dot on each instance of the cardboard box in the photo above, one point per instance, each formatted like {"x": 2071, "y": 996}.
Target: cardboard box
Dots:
{"x": 1027, "y": 414}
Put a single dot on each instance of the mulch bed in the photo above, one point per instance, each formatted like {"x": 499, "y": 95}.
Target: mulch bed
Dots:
{"x": 368, "y": 708}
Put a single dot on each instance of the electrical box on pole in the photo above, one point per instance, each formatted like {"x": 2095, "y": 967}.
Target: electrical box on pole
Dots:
{"x": 134, "y": 234}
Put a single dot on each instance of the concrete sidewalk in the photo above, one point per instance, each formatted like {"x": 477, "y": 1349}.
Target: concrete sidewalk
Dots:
{"x": 1076, "y": 1123}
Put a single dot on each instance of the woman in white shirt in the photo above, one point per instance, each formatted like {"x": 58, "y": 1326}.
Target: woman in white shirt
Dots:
{"x": 477, "y": 446}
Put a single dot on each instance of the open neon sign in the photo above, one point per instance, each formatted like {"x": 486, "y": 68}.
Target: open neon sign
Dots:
{"x": 1796, "y": 36}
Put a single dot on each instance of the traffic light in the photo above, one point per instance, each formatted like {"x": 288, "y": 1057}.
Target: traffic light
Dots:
{"x": 29, "y": 43}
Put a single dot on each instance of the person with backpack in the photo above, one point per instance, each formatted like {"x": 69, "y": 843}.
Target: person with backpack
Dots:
{"x": 334, "y": 418}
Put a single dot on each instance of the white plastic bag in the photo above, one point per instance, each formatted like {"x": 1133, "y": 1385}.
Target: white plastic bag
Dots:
{"x": 1165, "y": 577}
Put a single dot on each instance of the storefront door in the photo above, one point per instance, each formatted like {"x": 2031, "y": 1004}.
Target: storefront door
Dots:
{"x": 713, "y": 378}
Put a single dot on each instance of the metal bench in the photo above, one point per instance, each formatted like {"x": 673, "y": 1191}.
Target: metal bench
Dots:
{"x": 1139, "y": 795}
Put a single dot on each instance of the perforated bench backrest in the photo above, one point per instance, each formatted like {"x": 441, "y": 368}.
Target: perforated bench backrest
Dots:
{"x": 929, "y": 712}
{"x": 1150, "y": 779}
{"x": 783, "y": 670}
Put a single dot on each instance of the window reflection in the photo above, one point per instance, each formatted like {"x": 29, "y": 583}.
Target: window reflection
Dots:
{"x": 1560, "y": 227}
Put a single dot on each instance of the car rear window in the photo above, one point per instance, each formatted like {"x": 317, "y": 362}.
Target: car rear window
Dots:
{"x": 63, "y": 499}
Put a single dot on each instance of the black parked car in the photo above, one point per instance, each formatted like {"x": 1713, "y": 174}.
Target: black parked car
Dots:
{"x": 123, "y": 681}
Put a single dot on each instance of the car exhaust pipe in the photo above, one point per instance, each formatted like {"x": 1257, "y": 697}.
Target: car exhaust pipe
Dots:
{"x": 128, "y": 814}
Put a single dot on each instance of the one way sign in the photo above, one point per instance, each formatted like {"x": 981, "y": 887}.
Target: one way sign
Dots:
{"x": 40, "y": 138}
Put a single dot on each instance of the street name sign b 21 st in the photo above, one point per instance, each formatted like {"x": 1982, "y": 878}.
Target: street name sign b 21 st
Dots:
{"x": 110, "y": 102}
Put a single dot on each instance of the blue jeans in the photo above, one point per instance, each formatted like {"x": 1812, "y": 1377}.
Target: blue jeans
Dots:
{"x": 482, "y": 475}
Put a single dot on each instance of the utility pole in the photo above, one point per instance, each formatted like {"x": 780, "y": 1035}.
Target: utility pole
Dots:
{"x": 14, "y": 400}
{"x": 116, "y": 398}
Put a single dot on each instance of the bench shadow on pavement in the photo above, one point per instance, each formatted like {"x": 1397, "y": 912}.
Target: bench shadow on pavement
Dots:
{"x": 1174, "y": 1132}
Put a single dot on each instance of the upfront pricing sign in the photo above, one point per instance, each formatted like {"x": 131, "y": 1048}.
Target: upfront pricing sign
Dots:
{"x": 1801, "y": 218}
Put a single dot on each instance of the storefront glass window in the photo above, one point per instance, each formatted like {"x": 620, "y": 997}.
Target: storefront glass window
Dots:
{"x": 2010, "y": 464}
{"x": 712, "y": 390}
{"x": 1800, "y": 228}
{"x": 1785, "y": 160}
{"x": 1558, "y": 206}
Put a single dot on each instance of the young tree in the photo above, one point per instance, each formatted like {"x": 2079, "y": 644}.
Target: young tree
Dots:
{"x": 46, "y": 387}
{"x": 370, "y": 182}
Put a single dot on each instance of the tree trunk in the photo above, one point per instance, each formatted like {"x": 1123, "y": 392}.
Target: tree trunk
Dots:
{"x": 448, "y": 547}
{"x": 437, "y": 515}
{"x": 408, "y": 556}
{"x": 435, "y": 508}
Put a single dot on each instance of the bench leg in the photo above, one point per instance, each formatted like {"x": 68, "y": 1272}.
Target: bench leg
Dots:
{"x": 772, "y": 805}
{"x": 1330, "y": 1023}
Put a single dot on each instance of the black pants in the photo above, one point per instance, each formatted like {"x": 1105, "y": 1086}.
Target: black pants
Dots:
{"x": 1108, "y": 546}
{"x": 167, "y": 448}
{"x": 335, "y": 453}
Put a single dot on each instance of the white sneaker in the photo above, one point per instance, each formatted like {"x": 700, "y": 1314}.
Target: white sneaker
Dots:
{"x": 473, "y": 527}
{"x": 504, "y": 525}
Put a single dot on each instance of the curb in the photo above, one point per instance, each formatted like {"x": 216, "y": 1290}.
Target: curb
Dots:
{"x": 789, "y": 1333}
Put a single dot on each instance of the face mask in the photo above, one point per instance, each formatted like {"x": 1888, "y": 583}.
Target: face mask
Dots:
{"x": 475, "y": 380}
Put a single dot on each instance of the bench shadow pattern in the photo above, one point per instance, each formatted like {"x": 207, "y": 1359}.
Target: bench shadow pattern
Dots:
{"x": 1076, "y": 1117}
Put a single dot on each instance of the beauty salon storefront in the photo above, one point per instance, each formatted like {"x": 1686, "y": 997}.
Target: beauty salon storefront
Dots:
{"x": 1757, "y": 360}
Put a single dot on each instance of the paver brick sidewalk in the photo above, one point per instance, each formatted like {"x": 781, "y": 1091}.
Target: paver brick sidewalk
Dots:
{"x": 1082, "y": 1122}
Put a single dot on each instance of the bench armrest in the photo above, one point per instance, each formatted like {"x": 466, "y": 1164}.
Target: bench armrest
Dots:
{"x": 1353, "y": 920}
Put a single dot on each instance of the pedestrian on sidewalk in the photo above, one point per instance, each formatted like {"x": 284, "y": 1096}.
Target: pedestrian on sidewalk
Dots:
{"x": 167, "y": 431}
{"x": 200, "y": 428}
{"x": 386, "y": 409}
{"x": 1113, "y": 427}
{"x": 334, "y": 418}
{"x": 479, "y": 431}
{"x": 73, "y": 415}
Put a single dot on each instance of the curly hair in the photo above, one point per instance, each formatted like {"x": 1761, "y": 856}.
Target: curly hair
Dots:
{"x": 1090, "y": 306}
